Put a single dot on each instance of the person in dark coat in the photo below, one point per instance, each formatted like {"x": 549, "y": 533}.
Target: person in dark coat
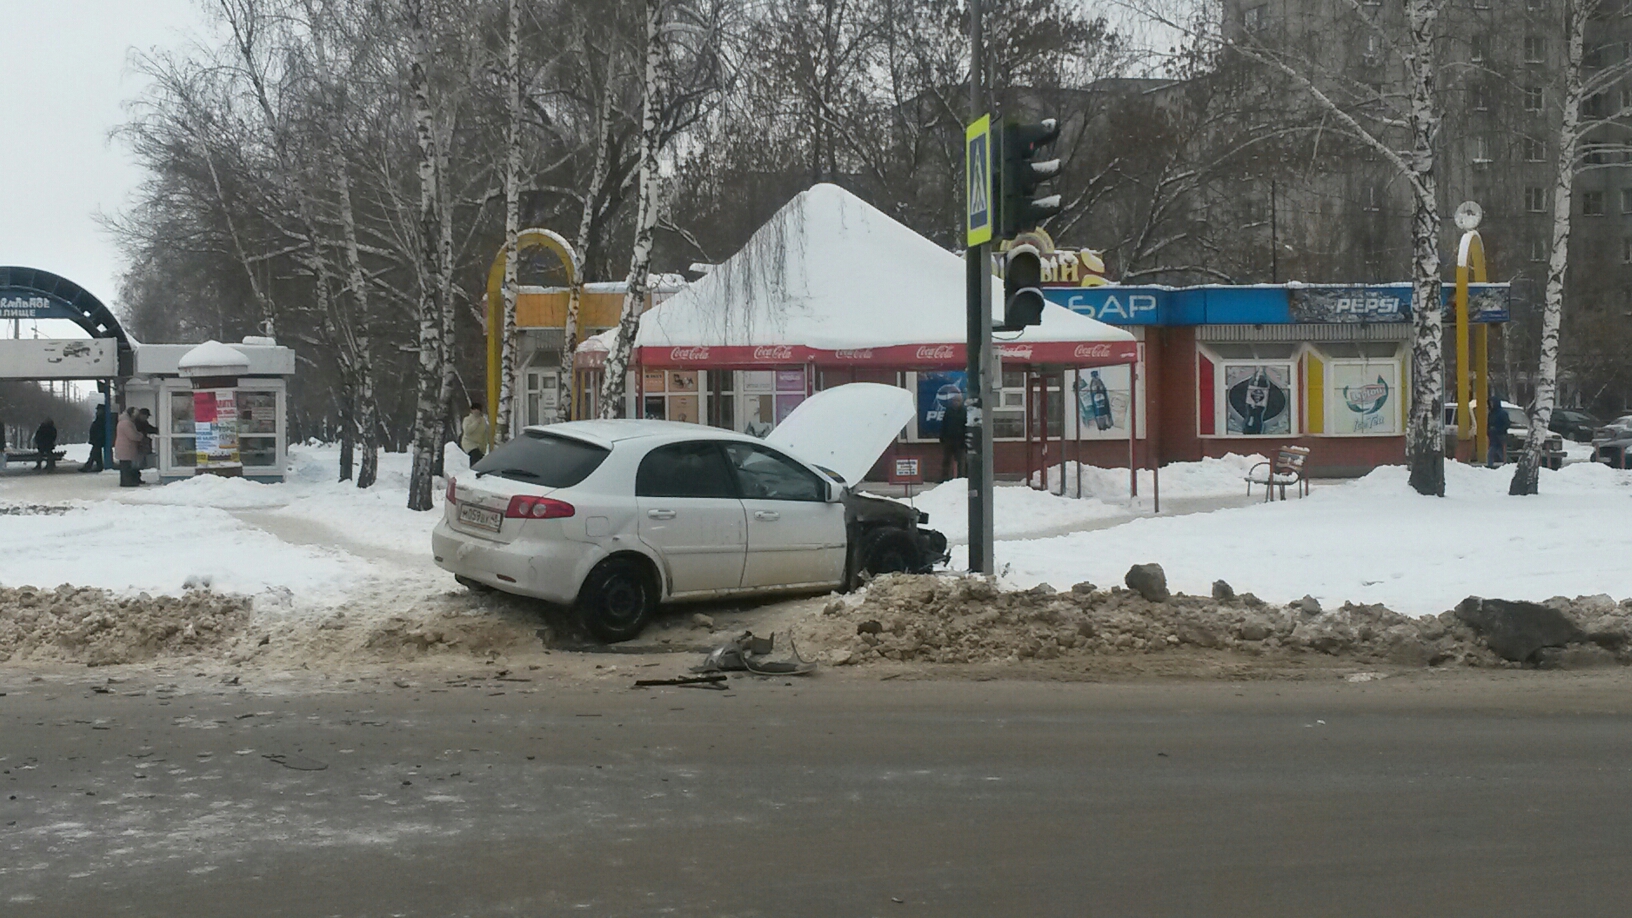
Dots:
{"x": 45, "y": 440}
{"x": 954, "y": 438}
{"x": 98, "y": 438}
{"x": 1496, "y": 431}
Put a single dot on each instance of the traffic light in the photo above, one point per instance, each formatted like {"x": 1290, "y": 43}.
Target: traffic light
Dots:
{"x": 1022, "y": 288}
{"x": 1022, "y": 173}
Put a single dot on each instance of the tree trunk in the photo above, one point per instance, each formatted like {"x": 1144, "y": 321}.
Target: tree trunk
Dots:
{"x": 1527, "y": 475}
{"x": 640, "y": 258}
{"x": 505, "y": 410}
{"x": 355, "y": 339}
{"x": 567, "y": 387}
{"x": 432, "y": 287}
{"x": 1425, "y": 437}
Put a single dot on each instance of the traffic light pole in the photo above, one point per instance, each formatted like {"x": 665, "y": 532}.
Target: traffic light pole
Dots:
{"x": 979, "y": 383}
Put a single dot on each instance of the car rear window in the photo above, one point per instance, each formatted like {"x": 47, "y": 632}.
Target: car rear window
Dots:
{"x": 542, "y": 458}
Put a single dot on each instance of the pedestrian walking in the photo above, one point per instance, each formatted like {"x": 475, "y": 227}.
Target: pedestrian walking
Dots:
{"x": 953, "y": 438}
{"x": 98, "y": 438}
{"x": 473, "y": 434}
{"x": 1496, "y": 430}
{"x": 45, "y": 441}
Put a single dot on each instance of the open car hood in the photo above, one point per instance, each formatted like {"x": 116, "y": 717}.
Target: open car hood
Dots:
{"x": 845, "y": 429}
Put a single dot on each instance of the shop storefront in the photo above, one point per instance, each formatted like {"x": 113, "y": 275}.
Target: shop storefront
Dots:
{"x": 1248, "y": 369}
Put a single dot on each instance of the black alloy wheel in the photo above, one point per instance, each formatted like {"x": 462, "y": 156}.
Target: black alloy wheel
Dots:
{"x": 617, "y": 601}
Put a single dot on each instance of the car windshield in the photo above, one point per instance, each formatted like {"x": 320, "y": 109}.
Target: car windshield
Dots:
{"x": 539, "y": 457}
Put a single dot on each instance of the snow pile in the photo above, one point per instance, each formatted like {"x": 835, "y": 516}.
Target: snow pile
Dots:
{"x": 1374, "y": 540}
{"x": 1018, "y": 511}
{"x": 1211, "y": 477}
{"x": 94, "y": 627}
{"x": 933, "y": 619}
{"x": 213, "y": 491}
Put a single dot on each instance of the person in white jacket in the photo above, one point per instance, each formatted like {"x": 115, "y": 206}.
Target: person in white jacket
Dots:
{"x": 473, "y": 435}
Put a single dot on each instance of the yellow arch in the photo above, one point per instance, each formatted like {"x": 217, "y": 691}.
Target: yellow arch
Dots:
{"x": 531, "y": 238}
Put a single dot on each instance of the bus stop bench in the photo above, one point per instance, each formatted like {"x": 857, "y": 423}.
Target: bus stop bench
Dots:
{"x": 30, "y": 455}
{"x": 1286, "y": 470}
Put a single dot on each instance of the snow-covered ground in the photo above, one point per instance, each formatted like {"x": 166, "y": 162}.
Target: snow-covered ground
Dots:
{"x": 311, "y": 538}
{"x": 312, "y": 542}
{"x": 1373, "y": 540}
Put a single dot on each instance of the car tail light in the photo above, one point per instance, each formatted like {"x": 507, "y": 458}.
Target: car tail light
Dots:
{"x": 537, "y": 508}
{"x": 449, "y": 493}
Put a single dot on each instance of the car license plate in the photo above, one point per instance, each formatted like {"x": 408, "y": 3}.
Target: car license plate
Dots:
{"x": 480, "y": 517}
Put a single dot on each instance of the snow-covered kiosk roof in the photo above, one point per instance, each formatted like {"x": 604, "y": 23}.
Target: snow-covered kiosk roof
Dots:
{"x": 832, "y": 280}
{"x": 212, "y": 358}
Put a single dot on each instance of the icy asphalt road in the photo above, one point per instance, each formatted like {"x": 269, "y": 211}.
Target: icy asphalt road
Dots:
{"x": 1439, "y": 794}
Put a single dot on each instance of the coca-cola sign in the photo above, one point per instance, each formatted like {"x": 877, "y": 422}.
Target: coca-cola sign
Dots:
{"x": 777, "y": 352}
{"x": 865, "y": 353}
{"x": 1092, "y": 352}
{"x": 938, "y": 352}
{"x": 1015, "y": 351}
{"x": 688, "y": 353}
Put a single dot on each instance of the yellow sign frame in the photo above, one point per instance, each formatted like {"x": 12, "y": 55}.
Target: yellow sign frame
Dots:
{"x": 531, "y": 238}
{"x": 1470, "y": 265}
{"x": 977, "y": 150}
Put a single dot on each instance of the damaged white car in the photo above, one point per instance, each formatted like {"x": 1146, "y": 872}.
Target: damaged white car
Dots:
{"x": 614, "y": 517}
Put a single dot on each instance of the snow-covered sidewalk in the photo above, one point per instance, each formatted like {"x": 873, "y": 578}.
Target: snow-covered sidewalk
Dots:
{"x": 1375, "y": 541}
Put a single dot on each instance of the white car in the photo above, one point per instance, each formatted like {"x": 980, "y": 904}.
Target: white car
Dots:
{"x": 615, "y": 516}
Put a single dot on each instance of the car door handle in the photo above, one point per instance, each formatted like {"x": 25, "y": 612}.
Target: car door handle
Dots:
{"x": 660, "y": 514}
{"x": 769, "y": 516}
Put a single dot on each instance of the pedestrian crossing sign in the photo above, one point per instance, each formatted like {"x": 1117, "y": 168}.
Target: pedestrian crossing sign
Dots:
{"x": 978, "y": 170}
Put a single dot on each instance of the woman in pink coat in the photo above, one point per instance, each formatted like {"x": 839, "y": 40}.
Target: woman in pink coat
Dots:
{"x": 127, "y": 448}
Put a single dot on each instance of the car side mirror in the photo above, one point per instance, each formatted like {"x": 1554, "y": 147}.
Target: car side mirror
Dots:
{"x": 834, "y": 491}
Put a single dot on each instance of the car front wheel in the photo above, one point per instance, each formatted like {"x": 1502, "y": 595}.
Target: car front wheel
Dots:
{"x": 889, "y": 551}
{"x": 618, "y": 599}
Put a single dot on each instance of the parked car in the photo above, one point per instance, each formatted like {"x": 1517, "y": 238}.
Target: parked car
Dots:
{"x": 1517, "y": 431}
{"x": 1612, "y": 443}
{"x": 1572, "y": 424}
{"x": 613, "y": 517}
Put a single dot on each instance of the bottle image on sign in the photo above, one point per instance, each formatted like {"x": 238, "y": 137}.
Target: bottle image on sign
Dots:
{"x": 1098, "y": 402}
{"x": 1258, "y": 402}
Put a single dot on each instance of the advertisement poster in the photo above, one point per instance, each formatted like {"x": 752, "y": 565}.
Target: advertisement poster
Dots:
{"x": 1258, "y": 399}
{"x": 683, "y": 408}
{"x": 759, "y": 382}
{"x": 652, "y": 380}
{"x": 785, "y": 404}
{"x": 1364, "y": 398}
{"x": 215, "y": 428}
{"x": 790, "y": 381}
{"x": 935, "y": 391}
{"x": 1102, "y": 403}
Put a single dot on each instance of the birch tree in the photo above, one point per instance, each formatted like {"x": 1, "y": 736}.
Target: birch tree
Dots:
{"x": 433, "y": 285}
{"x": 512, "y": 219}
{"x": 640, "y": 257}
{"x": 1575, "y": 134}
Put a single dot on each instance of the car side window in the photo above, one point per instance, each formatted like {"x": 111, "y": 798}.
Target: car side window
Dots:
{"x": 692, "y": 469}
{"x": 764, "y": 474}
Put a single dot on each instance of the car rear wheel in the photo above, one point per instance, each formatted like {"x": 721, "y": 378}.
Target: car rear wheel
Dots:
{"x": 618, "y": 599}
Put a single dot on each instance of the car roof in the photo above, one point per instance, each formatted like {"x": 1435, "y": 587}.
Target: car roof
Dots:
{"x": 607, "y": 431}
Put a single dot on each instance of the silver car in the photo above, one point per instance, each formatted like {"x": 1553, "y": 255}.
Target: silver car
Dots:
{"x": 614, "y": 517}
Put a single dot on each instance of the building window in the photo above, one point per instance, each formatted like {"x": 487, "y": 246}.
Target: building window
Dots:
{"x": 1479, "y": 97}
{"x": 1534, "y": 150}
{"x": 1251, "y": 391}
{"x": 1626, "y": 251}
{"x": 1593, "y": 106}
{"x": 1538, "y": 250}
{"x": 1626, "y": 200}
{"x": 1533, "y": 50}
{"x": 1532, "y": 98}
{"x": 1374, "y": 201}
{"x": 1479, "y": 147}
{"x": 1592, "y": 203}
{"x": 1479, "y": 48}
{"x": 1535, "y": 200}
{"x": 1481, "y": 4}
{"x": 1594, "y": 155}
{"x": 1359, "y": 386}
{"x": 1252, "y": 20}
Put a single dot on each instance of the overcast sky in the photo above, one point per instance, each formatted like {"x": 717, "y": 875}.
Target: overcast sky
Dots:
{"x": 64, "y": 78}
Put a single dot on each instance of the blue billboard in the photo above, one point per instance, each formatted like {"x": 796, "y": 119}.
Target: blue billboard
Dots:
{"x": 1268, "y": 304}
